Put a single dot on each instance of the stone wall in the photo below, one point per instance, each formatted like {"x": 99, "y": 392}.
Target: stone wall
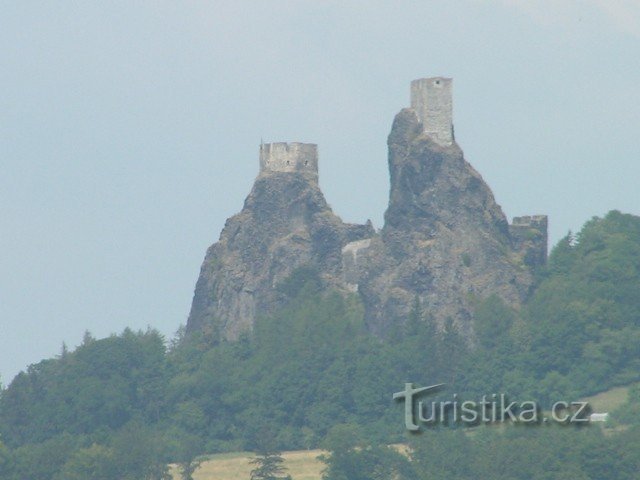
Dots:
{"x": 351, "y": 268}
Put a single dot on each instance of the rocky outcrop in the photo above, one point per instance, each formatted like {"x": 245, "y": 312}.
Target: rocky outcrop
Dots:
{"x": 285, "y": 224}
{"x": 445, "y": 241}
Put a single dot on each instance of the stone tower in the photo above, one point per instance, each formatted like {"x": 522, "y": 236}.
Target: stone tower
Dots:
{"x": 529, "y": 237}
{"x": 289, "y": 157}
{"x": 431, "y": 100}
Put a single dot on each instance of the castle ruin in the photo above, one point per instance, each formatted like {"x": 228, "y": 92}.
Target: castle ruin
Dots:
{"x": 445, "y": 242}
{"x": 529, "y": 235}
{"x": 431, "y": 99}
{"x": 289, "y": 157}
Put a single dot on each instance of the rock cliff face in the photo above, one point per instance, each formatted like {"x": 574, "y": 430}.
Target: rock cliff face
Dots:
{"x": 285, "y": 224}
{"x": 445, "y": 243}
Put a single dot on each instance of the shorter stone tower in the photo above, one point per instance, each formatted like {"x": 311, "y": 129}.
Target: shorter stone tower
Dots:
{"x": 291, "y": 157}
{"x": 431, "y": 100}
{"x": 529, "y": 235}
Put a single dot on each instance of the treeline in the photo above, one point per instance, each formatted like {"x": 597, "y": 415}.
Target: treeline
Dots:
{"x": 526, "y": 453}
{"x": 313, "y": 366}
{"x": 580, "y": 332}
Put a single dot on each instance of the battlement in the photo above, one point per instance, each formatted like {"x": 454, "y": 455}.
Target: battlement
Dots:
{"x": 289, "y": 157}
{"x": 431, "y": 98}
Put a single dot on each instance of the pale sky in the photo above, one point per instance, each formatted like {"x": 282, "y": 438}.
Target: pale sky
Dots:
{"x": 129, "y": 132}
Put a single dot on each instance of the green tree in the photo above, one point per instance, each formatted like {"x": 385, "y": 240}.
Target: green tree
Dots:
{"x": 366, "y": 463}
{"x": 269, "y": 465}
{"x": 7, "y": 463}
{"x": 96, "y": 463}
{"x": 189, "y": 450}
{"x": 44, "y": 460}
{"x": 139, "y": 453}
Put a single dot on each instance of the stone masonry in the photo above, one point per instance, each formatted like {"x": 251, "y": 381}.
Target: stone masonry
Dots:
{"x": 289, "y": 157}
{"x": 431, "y": 99}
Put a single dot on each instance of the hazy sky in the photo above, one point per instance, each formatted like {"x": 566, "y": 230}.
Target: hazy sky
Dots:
{"x": 129, "y": 132}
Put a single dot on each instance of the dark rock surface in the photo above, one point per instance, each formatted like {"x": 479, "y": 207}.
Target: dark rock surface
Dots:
{"x": 285, "y": 224}
{"x": 445, "y": 241}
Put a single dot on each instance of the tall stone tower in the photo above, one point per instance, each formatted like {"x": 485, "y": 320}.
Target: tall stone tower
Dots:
{"x": 431, "y": 100}
{"x": 289, "y": 157}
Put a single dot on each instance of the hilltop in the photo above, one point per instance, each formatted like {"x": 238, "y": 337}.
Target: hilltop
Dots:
{"x": 445, "y": 243}
{"x": 303, "y": 326}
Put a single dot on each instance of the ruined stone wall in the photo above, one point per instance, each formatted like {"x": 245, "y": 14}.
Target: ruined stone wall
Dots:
{"x": 351, "y": 267}
{"x": 289, "y": 157}
{"x": 529, "y": 236}
{"x": 431, "y": 98}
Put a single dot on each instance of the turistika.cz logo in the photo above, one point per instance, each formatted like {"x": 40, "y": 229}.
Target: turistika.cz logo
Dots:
{"x": 495, "y": 408}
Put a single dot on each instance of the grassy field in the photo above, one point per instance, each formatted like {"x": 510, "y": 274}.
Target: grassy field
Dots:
{"x": 609, "y": 400}
{"x": 302, "y": 465}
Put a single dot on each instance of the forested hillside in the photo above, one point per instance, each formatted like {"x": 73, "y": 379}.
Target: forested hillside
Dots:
{"x": 311, "y": 375}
